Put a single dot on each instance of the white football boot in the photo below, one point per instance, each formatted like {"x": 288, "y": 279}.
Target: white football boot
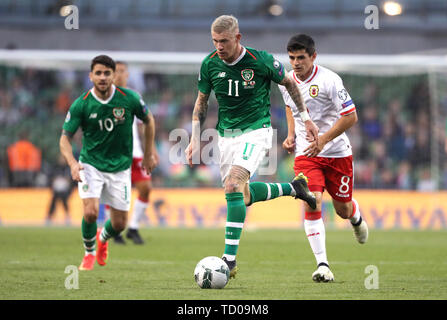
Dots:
{"x": 323, "y": 274}
{"x": 361, "y": 231}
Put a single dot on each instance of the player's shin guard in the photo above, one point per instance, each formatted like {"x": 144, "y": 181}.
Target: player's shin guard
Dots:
{"x": 89, "y": 236}
{"x": 108, "y": 232}
{"x": 316, "y": 234}
{"x": 236, "y": 211}
{"x": 261, "y": 191}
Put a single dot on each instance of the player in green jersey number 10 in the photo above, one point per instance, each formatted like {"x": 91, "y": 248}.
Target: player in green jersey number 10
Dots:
{"x": 240, "y": 78}
{"x": 105, "y": 113}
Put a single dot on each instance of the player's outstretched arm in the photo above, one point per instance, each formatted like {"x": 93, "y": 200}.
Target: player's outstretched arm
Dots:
{"x": 289, "y": 142}
{"x": 149, "y": 158}
{"x": 198, "y": 119}
{"x": 67, "y": 152}
{"x": 295, "y": 95}
{"x": 342, "y": 124}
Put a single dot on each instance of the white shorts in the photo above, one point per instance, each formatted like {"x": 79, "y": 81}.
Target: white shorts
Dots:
{"x": 247, "y": 150}
{"x": 112, "y": 189}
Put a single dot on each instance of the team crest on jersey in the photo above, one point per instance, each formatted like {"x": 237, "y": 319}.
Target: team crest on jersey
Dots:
{"x": 247, "y": 74}
{"x": 118, "y": 113}
{"x": 68, "y": 117}
{"x": 313, "y": 91}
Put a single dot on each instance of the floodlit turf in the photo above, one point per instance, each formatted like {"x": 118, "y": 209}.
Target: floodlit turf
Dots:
{"x": 273, "y": 264}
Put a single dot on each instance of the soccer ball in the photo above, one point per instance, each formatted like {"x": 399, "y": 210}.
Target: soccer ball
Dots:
{"x": 212, "y": 273}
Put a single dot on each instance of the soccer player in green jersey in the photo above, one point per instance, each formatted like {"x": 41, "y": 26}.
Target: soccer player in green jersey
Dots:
{"x": 140, "y": 180}
{"x": 105, "y": 113}
{"x": 240, "y": 78}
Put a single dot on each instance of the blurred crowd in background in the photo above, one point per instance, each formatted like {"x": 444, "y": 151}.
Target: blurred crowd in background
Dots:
{"x": 392, "y": 141}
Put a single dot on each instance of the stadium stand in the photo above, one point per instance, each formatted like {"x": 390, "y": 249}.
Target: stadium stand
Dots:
{"x": 391, "y": 152}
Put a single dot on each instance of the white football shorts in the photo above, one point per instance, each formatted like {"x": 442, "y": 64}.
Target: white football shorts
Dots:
{"x": 113, "y": 189}
{"x": 247, "y": 150}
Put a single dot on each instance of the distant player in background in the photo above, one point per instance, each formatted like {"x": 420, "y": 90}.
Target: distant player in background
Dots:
{"x": 61, "y": 186}
{"x": 328, "y": 165}
{"x": 106, "y": 114}
{"x": 240, "y": 78}
{"x": 140, "y": 179}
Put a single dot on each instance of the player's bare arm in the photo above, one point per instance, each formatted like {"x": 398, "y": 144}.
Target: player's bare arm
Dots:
{"x": 141, "y": 128}
{"x": 67, "y": 152}
{"x": 200, "y": 108}
{"x": 149, "y": 159}
{"x": 295, "y": 95}
{"x": 198, "y": 119}
{"x": 342, "y": 124}
{"x": 289, "y": 142}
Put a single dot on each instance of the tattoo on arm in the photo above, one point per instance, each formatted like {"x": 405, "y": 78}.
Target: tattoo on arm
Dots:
{"x": 294, "y": 93}
{"x": 200, "y": 108}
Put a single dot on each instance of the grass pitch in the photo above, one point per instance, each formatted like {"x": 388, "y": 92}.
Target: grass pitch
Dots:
{"x": 273, "y": 264}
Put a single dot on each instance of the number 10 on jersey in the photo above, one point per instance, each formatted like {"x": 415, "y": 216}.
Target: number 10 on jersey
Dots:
{"x": 108, "y": 124}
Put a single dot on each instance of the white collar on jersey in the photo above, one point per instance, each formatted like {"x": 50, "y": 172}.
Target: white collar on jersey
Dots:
{"x": 310, "y": 77}
{"x": 92, "y": 90}
{"x": 238, "y": 59}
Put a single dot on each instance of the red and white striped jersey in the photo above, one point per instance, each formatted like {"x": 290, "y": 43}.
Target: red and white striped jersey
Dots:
{"x": 327, "y": 101}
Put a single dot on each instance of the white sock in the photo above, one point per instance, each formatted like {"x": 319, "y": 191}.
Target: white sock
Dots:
{"x": 139, "y": 210}
{"x": 356, "y": 214}
{"x": 229, "y": 257}
{"x": 316, "y": 235}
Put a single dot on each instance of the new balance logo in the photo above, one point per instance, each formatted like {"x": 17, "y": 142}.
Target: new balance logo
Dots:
{"x": 93, "y": 116}
{"x": 221, "y": 74}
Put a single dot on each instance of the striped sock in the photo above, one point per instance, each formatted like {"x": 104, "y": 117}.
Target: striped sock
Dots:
{"x": 107, "y": 232}
{"x": 89, "y": 236}
{"x": 262, "y": 191}
{"x": 236, "y": 212}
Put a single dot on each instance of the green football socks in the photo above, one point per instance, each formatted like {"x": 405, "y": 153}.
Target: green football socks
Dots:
{"x": 108, "y": 232}
{"x": 89, "y": 236}
{"x": 262, "y": 191}
{"x": 236, "y": 211}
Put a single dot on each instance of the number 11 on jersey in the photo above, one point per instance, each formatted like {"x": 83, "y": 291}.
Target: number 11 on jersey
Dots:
{"x": 236, "y": 85}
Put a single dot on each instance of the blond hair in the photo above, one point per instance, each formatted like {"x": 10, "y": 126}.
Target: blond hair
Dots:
{"x": 225, "y": 23}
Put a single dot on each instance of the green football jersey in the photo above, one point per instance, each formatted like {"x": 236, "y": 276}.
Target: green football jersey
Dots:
{"x": 107, "y": 127}
{"x": 242, "y": 89}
